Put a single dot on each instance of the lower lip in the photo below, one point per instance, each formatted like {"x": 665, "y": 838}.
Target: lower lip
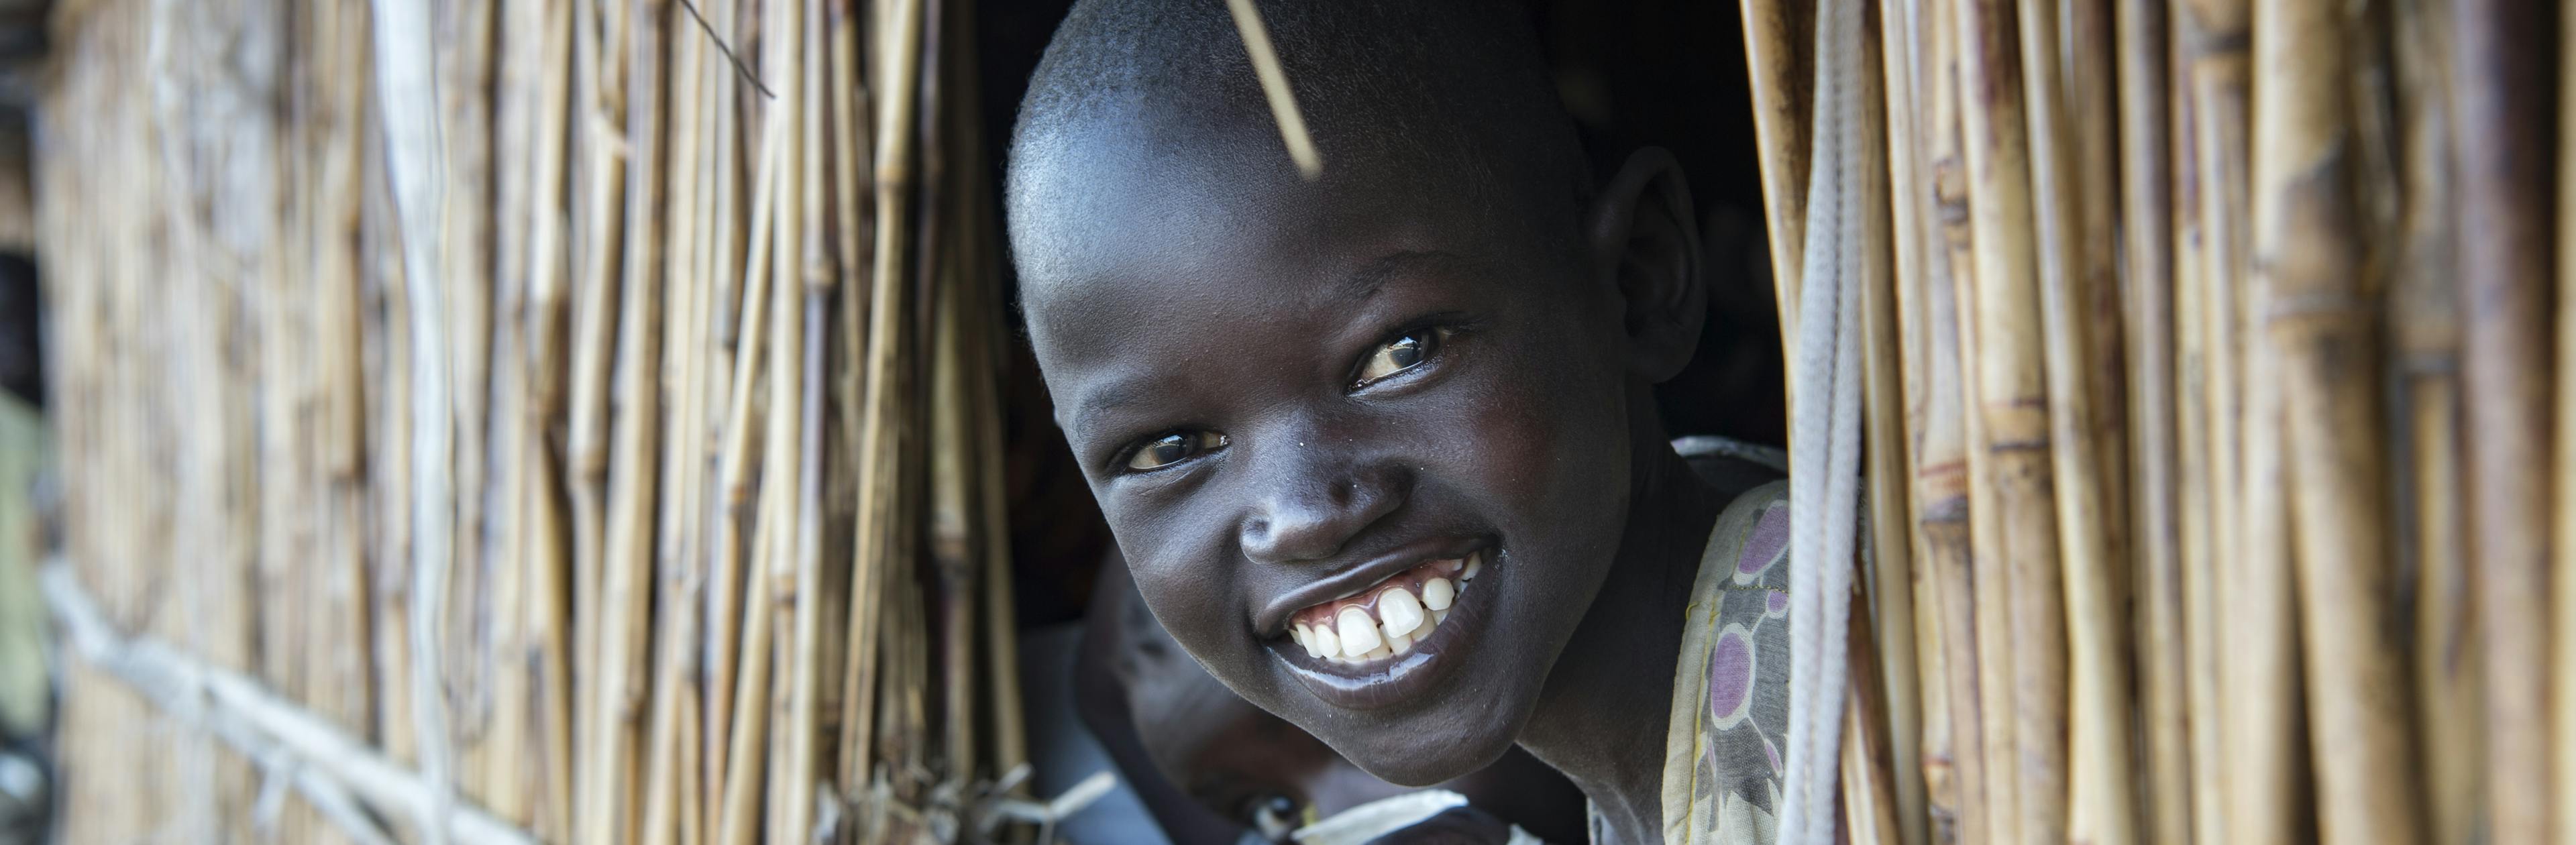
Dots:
{"x": 1389, "y": 681}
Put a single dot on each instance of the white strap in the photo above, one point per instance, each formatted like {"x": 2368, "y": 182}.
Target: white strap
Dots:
{"x": 1824, "y": 443}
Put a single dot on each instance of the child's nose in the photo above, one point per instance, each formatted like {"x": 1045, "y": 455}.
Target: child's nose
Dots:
{"x": 1309, "y": 516}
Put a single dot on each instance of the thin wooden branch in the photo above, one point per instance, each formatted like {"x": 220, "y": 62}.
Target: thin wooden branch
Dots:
{"x": 246, "y": 714}
{"x": 404, "y": 73}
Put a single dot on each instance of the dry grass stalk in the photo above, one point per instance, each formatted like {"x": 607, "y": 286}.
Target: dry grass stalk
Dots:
{"x": 1274, "y": 88}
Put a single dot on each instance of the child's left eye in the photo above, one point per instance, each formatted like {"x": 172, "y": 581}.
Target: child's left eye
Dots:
{"x": 1173, "y": 448}
{"x": 1403, "y": 353}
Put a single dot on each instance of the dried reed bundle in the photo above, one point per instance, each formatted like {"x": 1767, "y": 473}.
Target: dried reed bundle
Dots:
{"x": 689, "y": 363}
{"x": 2183, "y": 249}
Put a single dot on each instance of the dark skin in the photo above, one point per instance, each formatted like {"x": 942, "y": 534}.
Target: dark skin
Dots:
{"x": 1179, "y": 733}
{"x": 1275, "y": 384}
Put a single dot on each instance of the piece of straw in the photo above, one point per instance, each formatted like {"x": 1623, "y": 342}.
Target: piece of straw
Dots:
{"x": 1274, "y": 87}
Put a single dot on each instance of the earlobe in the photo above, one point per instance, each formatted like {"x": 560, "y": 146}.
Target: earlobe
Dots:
{"x": 1645, "y": 245}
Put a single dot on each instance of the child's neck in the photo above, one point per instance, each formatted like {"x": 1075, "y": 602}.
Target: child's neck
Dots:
{"x": 1601, "y": 720}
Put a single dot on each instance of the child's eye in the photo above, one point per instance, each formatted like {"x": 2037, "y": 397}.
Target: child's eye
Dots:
{"x": 1403, "y": 353}
{"x": 1174, "y": 448}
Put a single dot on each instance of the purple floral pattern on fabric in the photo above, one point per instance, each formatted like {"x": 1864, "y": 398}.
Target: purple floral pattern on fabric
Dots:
{"x": 1740, "y": 623}
{"x": 1730, "y": 677}
{"x": 1768, "y": 544}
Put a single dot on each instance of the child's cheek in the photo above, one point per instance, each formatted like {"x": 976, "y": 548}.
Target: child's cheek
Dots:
{"x": 1550, "y": 443}
{"x": 1174, "y": 559}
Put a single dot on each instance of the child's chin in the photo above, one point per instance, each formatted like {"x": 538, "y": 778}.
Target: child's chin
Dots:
{"x": 1432, "y": 757}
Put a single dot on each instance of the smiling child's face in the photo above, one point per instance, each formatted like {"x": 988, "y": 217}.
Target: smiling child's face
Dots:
{"x": 1294, "y": 400}
{"x": 1369, "y": 443}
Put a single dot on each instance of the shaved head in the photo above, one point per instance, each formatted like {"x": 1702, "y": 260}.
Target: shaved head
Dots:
{"x": 1452, "y": 95}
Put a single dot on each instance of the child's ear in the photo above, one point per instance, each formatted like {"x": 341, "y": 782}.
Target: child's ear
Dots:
{"x": 1645, "y": 242}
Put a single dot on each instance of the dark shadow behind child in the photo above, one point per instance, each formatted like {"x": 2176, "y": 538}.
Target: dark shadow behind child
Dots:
{"x": 1211, "y": 766}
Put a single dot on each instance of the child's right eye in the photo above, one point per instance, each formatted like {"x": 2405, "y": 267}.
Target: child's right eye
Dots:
{"x": 1174, "y": 448}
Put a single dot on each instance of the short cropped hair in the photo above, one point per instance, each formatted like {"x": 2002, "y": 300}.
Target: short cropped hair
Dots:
{"x": 1456, "y": 88}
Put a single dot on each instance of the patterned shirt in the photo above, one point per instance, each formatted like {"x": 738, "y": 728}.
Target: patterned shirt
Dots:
{"x": 1730, "y": 711}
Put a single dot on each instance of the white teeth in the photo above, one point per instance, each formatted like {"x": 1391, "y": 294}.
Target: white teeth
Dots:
{"x": 1306, "y": 638}
{"x": 1379, "y": 653}
{"x": 1322, "y": 642}
{"x": 1439, "y": 616}
{"x": 1437, "y": 594}
{"x": 1474, "y": 562}
{"x": 1399, "y": 643}
{"x": 1359, "y": 633}
{"x": 1401, "y": 612}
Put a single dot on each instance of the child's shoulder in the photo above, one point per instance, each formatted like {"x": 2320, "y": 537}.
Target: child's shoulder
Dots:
{"x": 1752, "y": 480}
{"x": 1734, "y": 468}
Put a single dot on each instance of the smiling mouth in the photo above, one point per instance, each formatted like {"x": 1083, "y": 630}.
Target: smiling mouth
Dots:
{"x": 1385, "y": 620}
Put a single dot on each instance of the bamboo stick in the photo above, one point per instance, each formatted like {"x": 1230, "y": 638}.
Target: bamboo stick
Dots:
{"x": 2423, "y": 315}
{"x": 598, "y": 188}
{"x": 2258, "y": 607}
{"x": 1780, "y": 75}
{"x": 675, "y": 615}
{"x": 2308, "y": 247}
{"x": 980, "y": 247}
{"x": 1870, "y": 815}
{"x": 2154, "y": 509}
{"x": 2198, "y": 481}
{"x": 730, "y": 575}
{"x": 2252, "y": 597}
{"x": 738, "y": 817}
{"x": 2499, "y": 73}
{"x": 2088, "y": 57}
{"x": 2100, "y": 807}
{"x": 1929, "y": 325}
{"x": 2563, "y": 636}
{"x": 626, "y": 582}
{"x": 2012, "y": 406}
{"x": 1979, "y": 643}
{"x": 801, "y": 290}
{"x": 877, "y": 471}
{"x": 1891, "y": 579}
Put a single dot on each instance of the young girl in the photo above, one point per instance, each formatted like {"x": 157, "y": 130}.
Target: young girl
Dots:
{"x": 1379, "y": 447}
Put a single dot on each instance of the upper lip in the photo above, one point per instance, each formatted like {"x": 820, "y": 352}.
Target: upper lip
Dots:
{"x": 1272, "y": 619}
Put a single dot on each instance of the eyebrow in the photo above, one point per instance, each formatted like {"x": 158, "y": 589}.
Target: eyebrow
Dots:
{"x": 1367, "y": 279}
{"x": 1101, "y": 400}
